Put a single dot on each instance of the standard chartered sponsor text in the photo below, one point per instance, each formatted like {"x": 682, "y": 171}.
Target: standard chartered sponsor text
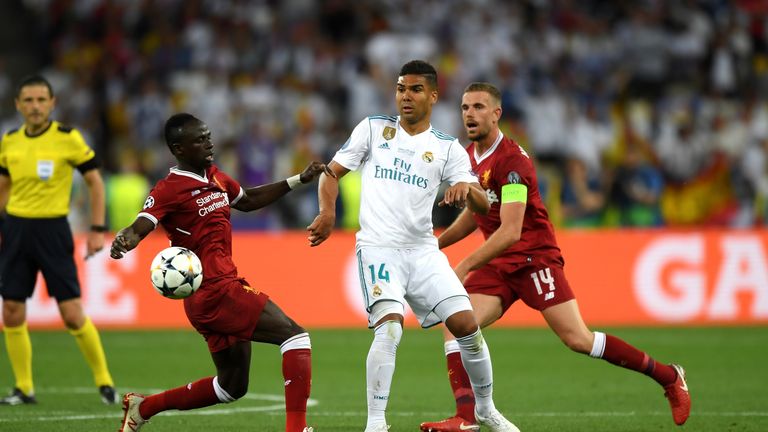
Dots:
{"x": 219, "y": 200}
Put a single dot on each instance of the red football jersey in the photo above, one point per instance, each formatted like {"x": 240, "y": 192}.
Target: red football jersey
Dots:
{"x": 195, "y": 212}
{"x": 504, "y": 163}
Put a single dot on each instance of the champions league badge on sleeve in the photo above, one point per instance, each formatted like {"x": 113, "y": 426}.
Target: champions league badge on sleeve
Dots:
{"x": 514, "y": 178}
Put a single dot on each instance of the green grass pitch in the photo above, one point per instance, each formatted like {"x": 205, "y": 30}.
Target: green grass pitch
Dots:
{"x": 539, "y": 384}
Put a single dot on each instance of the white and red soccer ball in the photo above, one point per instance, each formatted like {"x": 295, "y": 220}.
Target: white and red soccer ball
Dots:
{"x": 176, "y": 272}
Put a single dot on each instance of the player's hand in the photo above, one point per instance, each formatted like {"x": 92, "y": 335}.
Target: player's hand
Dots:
{"x": 455, "y": 196}
{"x": 461, "y": 272}
{"x": 313, "y": 170}
{"x": 94, "y": 243}
{"x": 119, "y": 247}
{"x": 320, "y": 228}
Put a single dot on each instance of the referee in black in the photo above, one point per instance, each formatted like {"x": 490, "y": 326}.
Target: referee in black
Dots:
{"x": 36, "y": 168}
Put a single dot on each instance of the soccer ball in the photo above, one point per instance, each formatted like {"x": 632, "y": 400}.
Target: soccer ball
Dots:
{"x": 176, "y": 272}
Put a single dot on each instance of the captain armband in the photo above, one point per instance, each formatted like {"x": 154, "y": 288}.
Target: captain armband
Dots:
{"x": 514, "y": 192}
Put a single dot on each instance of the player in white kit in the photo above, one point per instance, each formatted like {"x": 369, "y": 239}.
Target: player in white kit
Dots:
{"x": 403, "y": 161}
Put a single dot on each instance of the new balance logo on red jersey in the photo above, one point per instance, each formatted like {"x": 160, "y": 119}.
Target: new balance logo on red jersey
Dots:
{"x": 492, "y": 197}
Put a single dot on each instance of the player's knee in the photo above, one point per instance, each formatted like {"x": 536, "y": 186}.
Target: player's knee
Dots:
{"x": 289, "y": 330}
{"x": 457, "y": 314}
{"x": 72, "y": 319}
{"x": 297, "y": 330}
{"x": 229, "y": 390}
{"x": 576, "y": 342}
{"x": 238, "y": 391}
{"x": 72, "y": 313}
{"x": 462, "y": 324}
{"x": 386, "y": 339}
{"x": 389, "y": 330}
{"x": 14, "y": 313}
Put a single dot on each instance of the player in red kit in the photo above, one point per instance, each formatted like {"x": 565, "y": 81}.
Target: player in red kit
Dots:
{"x": 520, "y": 259}
{"x": 193, "y": 205}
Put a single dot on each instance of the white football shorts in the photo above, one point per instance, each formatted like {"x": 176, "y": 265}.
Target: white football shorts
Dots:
{"x": 421, "y": 276}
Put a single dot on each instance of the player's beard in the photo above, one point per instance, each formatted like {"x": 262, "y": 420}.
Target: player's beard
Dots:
{"x": 479, "y": 135}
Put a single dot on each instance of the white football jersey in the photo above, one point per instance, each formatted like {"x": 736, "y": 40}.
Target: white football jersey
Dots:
{"x": 401, "y": 175}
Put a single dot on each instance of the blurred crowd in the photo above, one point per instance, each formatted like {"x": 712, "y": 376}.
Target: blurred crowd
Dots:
{"x": 638, "y": 112}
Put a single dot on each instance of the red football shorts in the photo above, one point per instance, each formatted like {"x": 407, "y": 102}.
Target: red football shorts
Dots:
{"x": 540, "y": 284}
{"x": 225, "y": 313}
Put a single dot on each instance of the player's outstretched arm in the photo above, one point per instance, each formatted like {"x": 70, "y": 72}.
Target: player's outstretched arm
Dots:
{"x": 264, "y": 195}
{"x": 328, "y": 190}
{"x": 477, "y": 200}
{"x": 508, "y": 233}
{"x": 464, "y": 194}
{"x": 129, "y": 237}
{"x": 463, "y": 226}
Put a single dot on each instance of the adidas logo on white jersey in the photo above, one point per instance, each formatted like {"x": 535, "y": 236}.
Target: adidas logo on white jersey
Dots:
{"x": 384, "y": 146}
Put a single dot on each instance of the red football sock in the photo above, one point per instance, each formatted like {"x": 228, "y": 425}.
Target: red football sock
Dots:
{"x": 297, "y": 372}
{"x": 462, "y": 388}
{"x": 194, "y": 395}
{"x": 625, "y": 355}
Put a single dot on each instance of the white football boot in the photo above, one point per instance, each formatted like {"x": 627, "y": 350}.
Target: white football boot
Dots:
{"x": 495, "y": 422}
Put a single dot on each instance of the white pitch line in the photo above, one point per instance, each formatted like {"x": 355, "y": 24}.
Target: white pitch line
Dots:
{"x": 65, "y": 416}
{"x": 546, "y": 414}
{"x": 277, "y": 409}
{"x": 273, "y": 410}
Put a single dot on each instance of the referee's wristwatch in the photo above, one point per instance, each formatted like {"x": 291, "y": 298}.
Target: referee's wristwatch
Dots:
{"x": 99, "y": 228}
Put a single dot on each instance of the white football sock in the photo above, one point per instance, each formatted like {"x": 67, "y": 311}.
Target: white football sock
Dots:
{"x": 451, "y": 346}
{"x": 598, "y": 346}
{"x": 222, "y": 394}
{"x": 477, "y": 362}
{"x": 300, "y": 341}
{"x": 380, "y": 366}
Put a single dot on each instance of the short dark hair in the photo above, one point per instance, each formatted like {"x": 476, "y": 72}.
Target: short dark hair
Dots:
{"x": 31, "y": 80}
{"x": 174, "y": 125}
{"x": 420, "y": 67}
{"x": 485, "y": 87}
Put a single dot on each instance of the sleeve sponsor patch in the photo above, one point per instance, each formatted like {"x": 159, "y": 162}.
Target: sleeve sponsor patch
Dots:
{"x": 514, "y": 192}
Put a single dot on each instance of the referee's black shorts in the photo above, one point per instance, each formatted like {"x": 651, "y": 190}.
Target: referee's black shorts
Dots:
{"x": 29, "y": 245}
